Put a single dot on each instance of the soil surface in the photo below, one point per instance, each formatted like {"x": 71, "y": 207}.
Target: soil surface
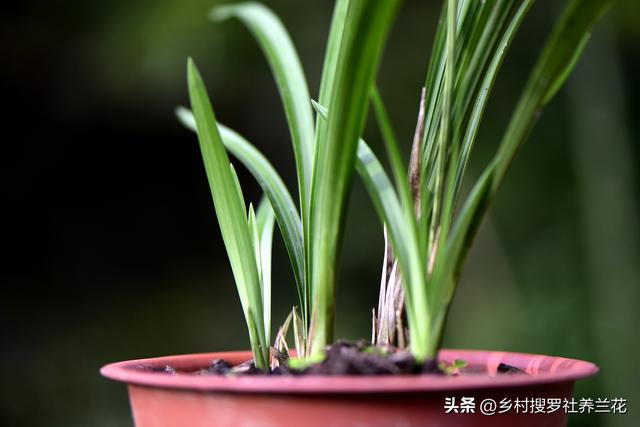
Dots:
{"x": 342, "y": 358}
{"x": 360, "y": 358}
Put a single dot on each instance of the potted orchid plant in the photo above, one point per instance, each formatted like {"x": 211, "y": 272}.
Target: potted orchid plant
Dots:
{"x": 427, "y": 219}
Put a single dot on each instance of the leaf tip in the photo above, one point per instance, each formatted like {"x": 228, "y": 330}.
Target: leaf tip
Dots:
{"x": 193, "y": 75}
{"x": 185, "y": 117}
{"x": 220, "y": 13}
{"x": 181, "y": 112}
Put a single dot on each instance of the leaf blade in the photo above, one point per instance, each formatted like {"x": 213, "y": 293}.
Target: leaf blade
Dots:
{"x": 366, "y": 27}
{"x": 403, "y": 236}
{"x": 273, "y": 187}
{"x": 265, "y": 221}
{"x": 548, "y": 74}
{"x": 273, "y": 39}
{"x": 230, "y": 211}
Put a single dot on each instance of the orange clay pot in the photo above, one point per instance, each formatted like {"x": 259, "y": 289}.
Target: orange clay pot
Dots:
{"x": 183, "y": 400}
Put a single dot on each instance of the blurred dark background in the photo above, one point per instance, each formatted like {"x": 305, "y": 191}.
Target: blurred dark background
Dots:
{"x": 111, "y": 246}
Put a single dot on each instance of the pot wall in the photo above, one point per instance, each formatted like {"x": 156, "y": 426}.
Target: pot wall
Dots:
{"x": 169, "y": 408}
{"x": 184, "y": 400}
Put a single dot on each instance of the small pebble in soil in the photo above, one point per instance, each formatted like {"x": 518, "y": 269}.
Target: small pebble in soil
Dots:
{"x": 216, "y": 367}
{"x": 245, "y": 368}
{"x": 503, "y": 368}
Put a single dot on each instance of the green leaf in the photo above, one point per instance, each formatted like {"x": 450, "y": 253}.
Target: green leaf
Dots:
{"x": 564, "y": 75}
{"x": 280, "y": 52}
{"x": 402, "y": 235}
{"x": 434, "y": 81}
{"x": 230, "y": 210}
{"x": 265, "y": 221}
{"x": 479, "y": 26}
{"x": 333, "y": 48}
{"x": 560, "y": 52}
{"x": 334, "y": 41}
{"x": 238, "y": 188}
{"x": 482, "y": 93}
{"x": 365, "y": 31}
{"x": 446, "y": 142}
{"x": 393, "y": 148}
{"x": 443, "y": 281}
{"x": 282, "y": 57}
{"x": 273, "y": 187}
{"x": 330, "y": 61}
{"x": 551, "y": 67}
{"x": 406, "y": 246}
{"x": 255, "y": 237}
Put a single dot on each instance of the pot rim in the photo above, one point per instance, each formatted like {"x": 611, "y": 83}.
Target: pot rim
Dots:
{"x": 541, "y": 370}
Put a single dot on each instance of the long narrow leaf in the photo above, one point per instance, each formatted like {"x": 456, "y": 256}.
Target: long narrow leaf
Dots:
{"x": 550, "y": 71}
{"x": 330, "y": 61}
{"x": 265, "y": 221}
{"x": 326, "y": 84}
{"x": 565, "y": 42}
{"x": 366, "y": 28}
{"x": 287, "y": 70}
{"x": 392, "y": 147}
{"x": 403, "y": 237}
{"x": 229, "y": 208}
{"x": 482, "y": 94}
{"x": 416, "y": 292}
{"x": 255, "y": 239}
{"x": 273, "y": 187}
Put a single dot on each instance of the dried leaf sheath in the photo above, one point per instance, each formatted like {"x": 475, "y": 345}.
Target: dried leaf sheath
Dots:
{"x": 392, "y": 293}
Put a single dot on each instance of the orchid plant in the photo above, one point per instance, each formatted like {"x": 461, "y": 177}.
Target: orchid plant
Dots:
{"x": 428, "y": 221}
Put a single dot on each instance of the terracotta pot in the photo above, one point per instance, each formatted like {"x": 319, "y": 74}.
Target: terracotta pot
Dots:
{"x": 182, "y": 400}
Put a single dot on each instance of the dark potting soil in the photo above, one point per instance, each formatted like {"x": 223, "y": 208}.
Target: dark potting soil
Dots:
{"x": 360, "y": 358}
{"x": 342, "y": 358}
